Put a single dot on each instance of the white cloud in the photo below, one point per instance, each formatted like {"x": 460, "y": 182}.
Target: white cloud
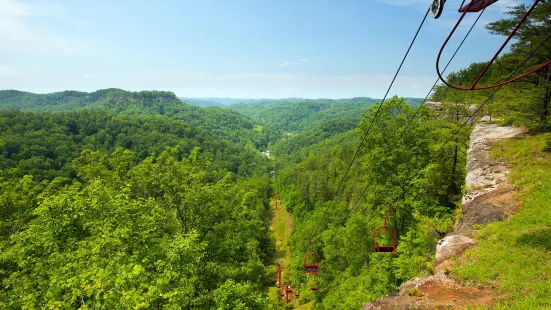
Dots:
{"x": 292, "y": 63}
{"x": 21, "y": 32}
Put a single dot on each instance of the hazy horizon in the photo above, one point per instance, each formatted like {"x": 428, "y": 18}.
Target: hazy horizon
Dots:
{"x": 236, "y": 49}
{"x": 213, "y": 97}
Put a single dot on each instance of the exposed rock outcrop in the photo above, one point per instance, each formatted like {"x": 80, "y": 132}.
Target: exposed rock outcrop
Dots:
{"x": 489, "y": 198}
{"x": 452, "y": 246}
{"x": 436, "y": 106}
{"x": 482, "y": 171}
{"x": 484, "y": 206}
{"x": 434, "y": 292}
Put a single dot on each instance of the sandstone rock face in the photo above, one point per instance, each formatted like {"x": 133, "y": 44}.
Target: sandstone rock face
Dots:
{"x": 436, "y": 106}
{"x": 484, "y": 206}
{"x": 481, "y": 170}
{"x": 417, "y": 283}
{"x": 489, "y": 198}
{"x": 432, "y": 293}
{"x": 452, "y": 246}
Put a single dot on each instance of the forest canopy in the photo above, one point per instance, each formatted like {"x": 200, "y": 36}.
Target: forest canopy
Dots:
{"x": 116, "y": 199}
{"x": 125, "y": 207}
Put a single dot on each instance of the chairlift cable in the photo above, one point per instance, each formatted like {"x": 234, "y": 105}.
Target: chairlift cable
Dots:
{"x": 412, "y": 118}
{"x": 452, "y": 136}
{"x": 373, "y": 120}
{"x": 438, "y": 78}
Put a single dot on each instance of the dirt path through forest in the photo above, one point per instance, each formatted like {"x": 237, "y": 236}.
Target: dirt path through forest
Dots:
{"x": 281, "y": 227}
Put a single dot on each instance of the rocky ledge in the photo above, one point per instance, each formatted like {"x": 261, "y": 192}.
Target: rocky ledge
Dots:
{"x": 489, "y": 198}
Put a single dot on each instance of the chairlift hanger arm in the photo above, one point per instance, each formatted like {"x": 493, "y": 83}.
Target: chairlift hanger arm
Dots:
{"x": 511, "y": 35}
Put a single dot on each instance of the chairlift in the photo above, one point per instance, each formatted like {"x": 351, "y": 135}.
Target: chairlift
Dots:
{"x": 383, "y": 239}
{"x": 312, "y": 261}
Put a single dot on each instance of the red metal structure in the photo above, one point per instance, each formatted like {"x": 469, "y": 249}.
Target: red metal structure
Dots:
{"x": 380, "y": 234}
{"x": 276, "y": 199}
{"x": 476, "y": 6}
{"x": 279, "y": 271}
{"x": 312, "y": 267}
{"x": 288, "y": 291}
{"x": 314, "y": 285}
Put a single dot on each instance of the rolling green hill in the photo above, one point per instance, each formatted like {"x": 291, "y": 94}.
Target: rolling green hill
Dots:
{"x": 116, "y": 199}
{"x": 297, "y": 115}
{"x": 225, "y": 123}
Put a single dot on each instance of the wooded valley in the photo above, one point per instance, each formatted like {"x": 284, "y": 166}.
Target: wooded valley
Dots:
{"x": 116, "y": 199}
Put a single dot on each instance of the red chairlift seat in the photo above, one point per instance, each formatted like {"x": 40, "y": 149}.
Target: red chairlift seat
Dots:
{"x": 312, "y": 267}
{"x": 385, "y": 249}
{"x": 288, "y": 291}
{"x": 381, "y": 236}
{"x": 314, "y": 285}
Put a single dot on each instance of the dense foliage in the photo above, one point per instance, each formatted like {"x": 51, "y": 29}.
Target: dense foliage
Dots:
{"x": 138, "y": 200}
{"x": 43, "y": 144}
{"x": 103, "y": 210}
{"x": 395, "y": 164}
{"x": 224, "y": 123}
{"x": 292, "y": 116}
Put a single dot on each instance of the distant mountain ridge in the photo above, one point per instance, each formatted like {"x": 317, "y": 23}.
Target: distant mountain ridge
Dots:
{"x": 225, "y": 102}
{"x": 71, "y": 100}
{"x": 297, "y": 115}
{"x": 221, "y": 102}
{"x": 226, "y": 123}
{"x": 228, "y": 117}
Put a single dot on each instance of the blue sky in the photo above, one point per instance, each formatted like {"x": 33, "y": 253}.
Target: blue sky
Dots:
{"x": 231, "y": 48}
